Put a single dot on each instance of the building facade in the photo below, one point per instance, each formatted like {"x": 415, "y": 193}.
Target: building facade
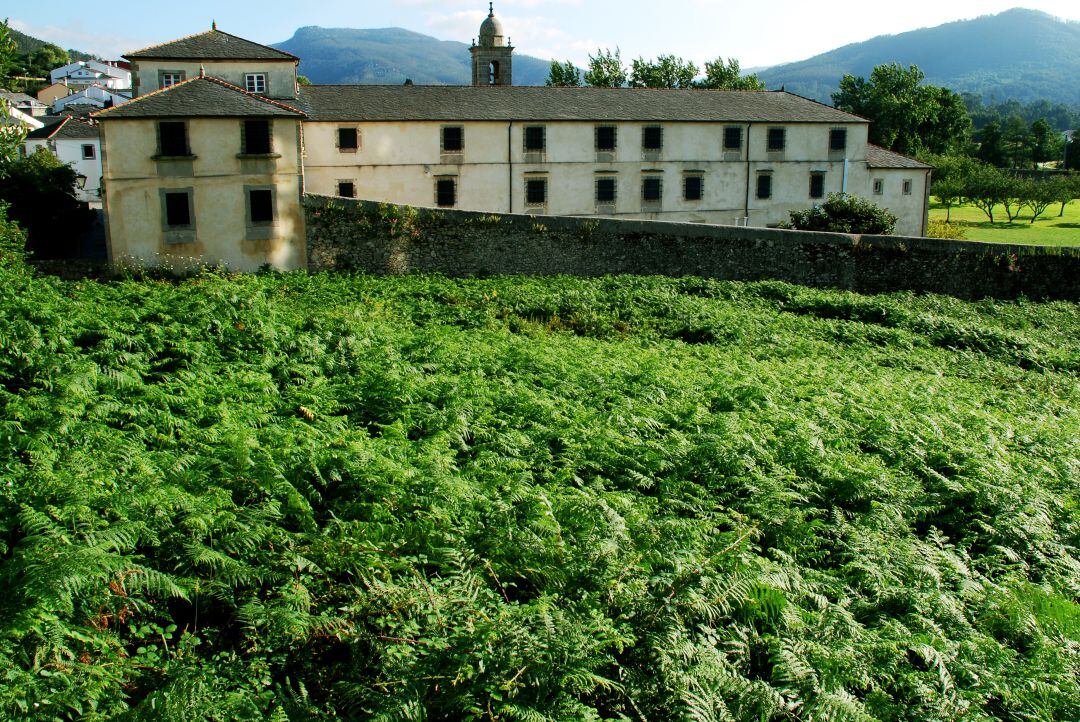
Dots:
{"x": 725, "y": 157}
{"x": 77, "y": 144}
{"x": 84, "y": 73}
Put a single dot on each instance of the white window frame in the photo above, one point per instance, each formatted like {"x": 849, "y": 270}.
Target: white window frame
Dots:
{"x": 92, "y": 151}
{"x": 171, "y": 78}
{"x": 252, "y": 81}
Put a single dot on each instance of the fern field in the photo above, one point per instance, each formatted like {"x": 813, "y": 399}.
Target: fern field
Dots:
{"x": 294, "y": 497}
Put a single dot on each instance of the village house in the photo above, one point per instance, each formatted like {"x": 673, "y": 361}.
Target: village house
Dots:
{"x": 211, "y": 158}
{"x": 95, "y": 95}
{"x": 75, "y": 143}
{"x": 23, "y": 103}
{"x": 113, "y": 75}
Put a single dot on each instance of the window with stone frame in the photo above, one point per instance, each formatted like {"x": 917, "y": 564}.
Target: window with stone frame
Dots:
{"x": 453, "y": 139}
{"x": 733, "y": 137}
{"x": 817, "y": 185}
{"x": 652, "y": 189}
{"x": 693, "y": 187}
{"x": 879, "y": 186}
{"x": 348, "y": 139}
{"x": 257, "y": 137}
{"x": 346, "y": 189}
{"x": 764, "y": 185}
{"x": 606, "y": 138}
{"x": 177, "y": 209}
{"x": 535, "y": 139}
{"x": 776, "y": 139}
{"x": 173, "y": 139}
{"x": 907, "y": 187}
{"x": 605, "y": 189}
{"x": 260, "y": 206}
{"x": 446, "y": 192}
{"x": 652, "y": 138}
{"x": 838, "y": 140}
{"x": 255, "y": 83}
{"x": 89, "y": 151}
{"x": 535, "y": 191}
{"x": 169, "y": 78}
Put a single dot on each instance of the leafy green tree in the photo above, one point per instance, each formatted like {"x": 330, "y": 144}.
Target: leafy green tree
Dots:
{"x": 1068, "y": 189}
{"x": 1016, "y": 137}
{"x": 1038, "y": 195}
{"x": 991, "y": 145}
{"x": 1072, "y": 152}
{"x": 950, "y": 177}
{"x": 40, "y": 191}
{"x": 303, "y": 80}
{"x": 1045, "y": 143}
{"x": 8, "y": 53}
{"x": 905, "y": 115}
{"x": 844, "y": 213}
{"x": 47, "y": 57}
{"x": 667, "y": 71}
{"x": 721, "y": 75}
{"x": 606, "y": 70}
{"x": 986, "y": 188}
{"x": 563, "y": 75}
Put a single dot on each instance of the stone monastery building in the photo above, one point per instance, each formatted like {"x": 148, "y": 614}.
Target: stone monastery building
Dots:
{"x": 209, "y": 162}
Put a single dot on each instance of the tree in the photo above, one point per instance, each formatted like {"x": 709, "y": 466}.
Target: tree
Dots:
{"x": 606, "y": 70}
{"x": 843, "y": 213}
{"x": 1038, "y": 195}
{"x": 1067, "y": 189}
{"x": 905, "y": 116}
{"x": 8, "y": 53}
{"x": 41, "y": 193}
{"x": 991, "y": 145}
{"x": 563, "y": 75}
{"x": 986, "y": 187}
{"x": 303, "y": 80}
{"x": 1013, "y": 197}
{"x": 1045, "y": 143}
{"x": 1072, "y": 152}
{"x": 47, "y": 57}
{"x": 950, "y": 177}
{"x": 667, "y": 71}
{"x": 721, "y": 75}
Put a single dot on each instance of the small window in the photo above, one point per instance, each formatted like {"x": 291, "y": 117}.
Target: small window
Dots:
{"x": 453, "y": 139}
{"x": 535, "y": 139}
{"x": 777, "y": 139}
{"x": 652, "y": 189}
{"x": 446, "y": 192}
{"x": 536, "y": 191}
{"x": 879, "y": 186}
{"x": 605, "y": 190}
{"x": 167, "y": 79}
{"x": 652, "y": 138}
{"x": 346, "y": 189}
{"x": 172, "y": 138}
{"x": 255, "y": 83}
{"x": 261, "y": 203}
{"x": 606, "y": 136}
{"x": 764, "y": 185}
{"x": 817, "y": 185}
{"x": 89, "y": 152}
{"x": 838, "y": 139}
{"x": 177, "y": 209}
{"x": 907, "y": 187}
{"x": 256, "y": 139}
{"x": 733, "y": 138}
{"x": 348, "y": 140}
{"x": 693, "y": 187}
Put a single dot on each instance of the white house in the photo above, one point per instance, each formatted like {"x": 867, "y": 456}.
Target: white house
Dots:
{"x": 94, "y": 95}
{"x": 23, "y": 102}
{"x": 84, "y": 73}
{"x": 77, "y": 144}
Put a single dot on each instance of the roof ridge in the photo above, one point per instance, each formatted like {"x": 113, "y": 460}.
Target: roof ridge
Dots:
{"x": 169, "y": 42}
{"x": 227, "y": 84}
{"x": 208, "y": 78}
{"x": 151, "y": 94}
{"x": 211, "y": 31}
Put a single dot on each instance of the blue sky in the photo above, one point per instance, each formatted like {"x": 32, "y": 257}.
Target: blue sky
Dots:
{"x": 765, "y": 33}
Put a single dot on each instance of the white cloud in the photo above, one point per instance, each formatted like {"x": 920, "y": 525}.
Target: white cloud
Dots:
{"x": 77, "y": 37}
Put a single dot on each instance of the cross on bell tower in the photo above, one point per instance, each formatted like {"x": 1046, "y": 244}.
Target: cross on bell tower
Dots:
{"x": 493, "y": 56}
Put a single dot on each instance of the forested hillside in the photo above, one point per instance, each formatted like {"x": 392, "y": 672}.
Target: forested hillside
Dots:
{"x": 392, "y": 55}
{"x": 1020, "y": 54}
{"x": 303, "y": 497}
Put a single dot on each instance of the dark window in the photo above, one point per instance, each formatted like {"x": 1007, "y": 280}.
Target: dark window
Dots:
{"x": 838, "y": 139}
{"x": 693, "y": 187}
{"x": 446, "y": 193}
{"x": 348, "y": 139}
{"x": 256, "y": 137}
{"x": 776, "y": 138}
{"x": 534, "y": 138}
{"x": 453, "y": 139}
{"x": 764, "y": 186}
{"x": 536, "y": 191}
{"x": 262, "y": 205}
{"x": 346, "y": 189}
{"x": 605, "y": 138}
{"x": 493, "y": 73}
{"x": 173, "y": 138}
{"x": 732, "y": 138}
{"x": 817, "y": 185}
{"x": 89, "y": 152}
{"x": 652, "y": 137}
{"x": 879, "y": 186}
{"x": 907, "y": 187}
{"x": 605, "y": 190}
{"x": 652, "y": 188}
{"x": 177, "y": 209}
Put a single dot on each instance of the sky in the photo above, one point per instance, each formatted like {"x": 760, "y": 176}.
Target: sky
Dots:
{"x": 758, "y": 34}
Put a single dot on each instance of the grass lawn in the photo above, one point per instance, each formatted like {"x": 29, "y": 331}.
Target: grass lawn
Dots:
{"x": 1049, "y": 230}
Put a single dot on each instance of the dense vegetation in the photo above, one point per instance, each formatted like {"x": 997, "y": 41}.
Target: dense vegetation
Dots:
{"x": 312, "y": 497}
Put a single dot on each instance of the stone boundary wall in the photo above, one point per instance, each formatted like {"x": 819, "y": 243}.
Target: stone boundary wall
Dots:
{"x": 386, "y": 239}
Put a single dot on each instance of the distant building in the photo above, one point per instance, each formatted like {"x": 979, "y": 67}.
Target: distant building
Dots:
{"x": 94, "y": 95}
{"x": 53, "y": 93}
{"x": 75, "y": 143}
{"x": 23, "y": 103}
{"x": 114, "y": 75}
{"x": 210, "y": 159}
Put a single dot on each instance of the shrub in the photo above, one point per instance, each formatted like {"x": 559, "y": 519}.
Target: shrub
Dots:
{"x": 946, "y": 230}
{"x": 41, "y": 193}
{"x": 843, "y": 213}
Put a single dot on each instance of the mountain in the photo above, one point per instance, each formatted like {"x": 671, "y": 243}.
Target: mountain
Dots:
{"x": 390, "y": 55}
{"x": 26, "y": 44}
{"x": 1019, "y": 54}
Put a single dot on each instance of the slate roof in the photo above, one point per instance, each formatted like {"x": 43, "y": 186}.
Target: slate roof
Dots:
{"x": 211, "y": 45}
{"x": 199, "y": 97}
{"x": 66, "y": 129}
{"x": 878, "y": 157}
{"x": 19, "y": 97}
{"x": 449, "y": 103}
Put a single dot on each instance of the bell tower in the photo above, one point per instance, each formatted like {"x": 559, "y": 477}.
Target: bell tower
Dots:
{"x": 493, "y": 56}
